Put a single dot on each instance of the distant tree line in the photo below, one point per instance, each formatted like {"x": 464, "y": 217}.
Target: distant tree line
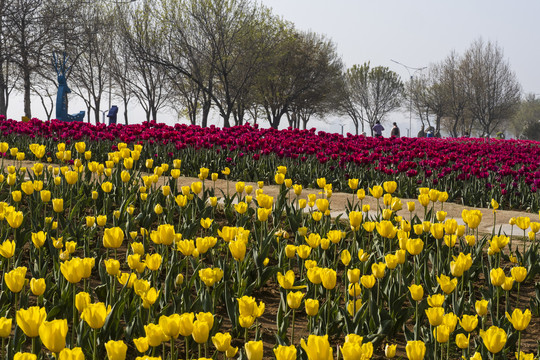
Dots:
{"x": 473, "y": 93}
{"x": 239, "y": 60}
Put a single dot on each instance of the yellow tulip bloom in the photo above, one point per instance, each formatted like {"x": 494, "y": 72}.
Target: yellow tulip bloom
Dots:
{"x": 95, "y": 315}
{"x": 494, "y": 339}
{"x": 30, "y": 320}
{"x": 317, "y": 347}
{"x": 415, "y": 350}
{"x": 519, "y": 320}
{"x": 53, "y": 334}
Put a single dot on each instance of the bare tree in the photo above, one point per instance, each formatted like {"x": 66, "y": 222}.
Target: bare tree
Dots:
{"x": 6, "y": 48}
{"x": 300, "y": 78}
{"x": 491, "y": 86}
{"x": 28, "y": 24}
{"x": 453, "y": 83}
{"x": 376, "y": 91}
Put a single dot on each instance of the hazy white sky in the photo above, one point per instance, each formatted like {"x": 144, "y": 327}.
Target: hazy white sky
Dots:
{"x": 419, "y": 32}
{"x": 413, "y": 32}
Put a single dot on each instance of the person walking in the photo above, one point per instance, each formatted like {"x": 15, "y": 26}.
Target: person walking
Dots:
{"x": 378, "y": 129}
{"x": 395, "y": 131}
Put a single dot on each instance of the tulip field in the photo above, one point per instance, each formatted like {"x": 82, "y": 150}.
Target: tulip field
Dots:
{"x": 108, "y": 253}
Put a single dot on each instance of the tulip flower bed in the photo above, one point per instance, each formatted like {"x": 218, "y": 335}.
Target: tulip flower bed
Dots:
{"x": 473, "y": 171}
{"x": 105, "y": 255}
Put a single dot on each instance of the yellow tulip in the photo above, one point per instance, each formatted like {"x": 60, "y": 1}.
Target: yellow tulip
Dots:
{"x": 5, "y": 327}
{"x": 462, "y": 341}
{"x": 312, "y": 307}
{"x": 283, "y": 352}
{"x": 210, "y": 276}
{"x": 25, "y": 356}
{"x": 153, "y": 262}
{"x": 201, "y": 330}
{"x": 469, "y": 322}
{"x": 154, "y": 334}
{"x": 390, "y": 351}
{"x": 39, "y": 239}
{"x": 417, "y": 292}
{"x": 415, "y": 350}
{"x": 435, "y": 300}
{"x": 481, "y": 307}
{"x": 437, "y": 230}
{"x": 423, "y": 199}
{"x": 376, "y": 191}
{"x": 205, "y": 223}
{"x": 441, "y": 333}
{"x": 435, "y": 315}
{"x": 294, "y": 299}
{"x": 113, "y": 237}
{"x": 17, "y": 195}
{"x": 196, "y": 187}
{"x": 71, "y": 177}
{"x": 112, "y": 266}
{"x": 523, "y": 222}
{"x": 355, "y": 219}
{"x": 30, "y": 320}
{"x": 303, "y": 251}
{"x": 95, "y": 315}
{"x": 523, "y": 356}
{"x": 519, "y": 273}
{"x": 378, "y": 270}
{"x": 508, "y": 283}
{"x": 254, "y": 350}
{"x": 58, "y": 205}
{"x": 368, "y": 281}
{"x": 7, "y": 249}
{"x": 386, "y": 229}
{"x": 186, "y": 324}
{"x": 329, "y": 278}
{"x": 414, "y": 246}
{"x": 317, "y": 347}
{"x": 447, "y": 285}
{"x": 519, "y": 320}
{"x": 494, "y": 339}
{"x": 15, "y": 219}
{"x": 390, "y": 186}
{"x": 53, "y": 334}
{"x": 238, "y": 249}
{"x": 345, "y": 257}
{"x": 37, "y": 286}
{"x": 497, "y": 276}
{"x": 222, "y": 341}
{"x": 82, "y": 300}
{"x": 15, "y": 279}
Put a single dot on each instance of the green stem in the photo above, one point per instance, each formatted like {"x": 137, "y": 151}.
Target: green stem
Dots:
{"x": 292, "y": 334}
{"x": 73, "y": 329}
{"x": 519, "y": 345}
{"x": 94, "y": 355}
{"x": 187, "y": 348}
{"x": 416, "y": 326}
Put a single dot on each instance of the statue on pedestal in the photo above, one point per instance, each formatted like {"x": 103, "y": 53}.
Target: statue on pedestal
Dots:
{"x": 63, "y": 90}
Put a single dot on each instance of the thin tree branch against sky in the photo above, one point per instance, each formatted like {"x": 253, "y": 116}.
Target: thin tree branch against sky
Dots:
{"x": 420, "y": 32}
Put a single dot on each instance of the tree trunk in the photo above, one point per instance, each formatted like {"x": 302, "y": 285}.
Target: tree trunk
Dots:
{"x": 207, "y": 103}
{"x": 3, "y": 91}
{"x": 125, "y": 111}
{"x": 26, "y": 80}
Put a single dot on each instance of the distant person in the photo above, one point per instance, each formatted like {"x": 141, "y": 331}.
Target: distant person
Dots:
{"x": 395, "y": 131}
{"x": 378, "y": 129}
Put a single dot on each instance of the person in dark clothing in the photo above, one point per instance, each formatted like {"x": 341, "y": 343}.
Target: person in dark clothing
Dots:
{"x": 378, "y": 129}
{"x": 395, "y": 131}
